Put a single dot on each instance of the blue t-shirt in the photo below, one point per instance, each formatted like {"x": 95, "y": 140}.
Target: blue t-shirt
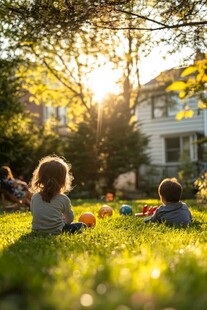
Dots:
{"x": 174, "y": 214}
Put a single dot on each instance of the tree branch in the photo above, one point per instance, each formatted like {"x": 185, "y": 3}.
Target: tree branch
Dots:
{"x": 191, "y": 24}
{"x": 141, "y": 17}
{"x": 77, "y": 94}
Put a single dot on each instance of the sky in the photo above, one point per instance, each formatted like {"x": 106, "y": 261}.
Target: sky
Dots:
{"x": 103, "y": 80}
{"x": 159, "y": 60}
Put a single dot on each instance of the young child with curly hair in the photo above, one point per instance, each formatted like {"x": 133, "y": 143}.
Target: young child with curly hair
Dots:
{"x": 50, "y": 206}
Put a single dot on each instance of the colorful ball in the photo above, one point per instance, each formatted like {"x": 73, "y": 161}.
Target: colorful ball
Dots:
{"x": 105, "y": 210}
{"x": 125, "y": 210}
{"x": 88, "y": 218}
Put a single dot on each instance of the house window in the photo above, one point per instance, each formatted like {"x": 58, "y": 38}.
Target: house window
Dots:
{"x": 165, "y": 105}
{"x": 177, "y": 148}
{"x": 185, "y": 148}
{"x": 62, "y": 115}
{"x": 174, "y": 105}
{"x": 48, "y": 112}
{"x": 59, "y": 113}
{"x": 159, "y": 107}
{"x": 172, "y": 147}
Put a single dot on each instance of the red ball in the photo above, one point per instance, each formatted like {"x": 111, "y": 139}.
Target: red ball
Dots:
{"x": 105, "y": 211}
{"x": 88, "y": 218}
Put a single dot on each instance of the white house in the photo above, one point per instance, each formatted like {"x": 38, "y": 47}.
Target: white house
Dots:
{"x": 172, "y": 143}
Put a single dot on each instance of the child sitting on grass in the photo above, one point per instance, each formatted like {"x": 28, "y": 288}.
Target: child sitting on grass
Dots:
{"x": 173, "y": 211}
{"x": 50, "y": 207}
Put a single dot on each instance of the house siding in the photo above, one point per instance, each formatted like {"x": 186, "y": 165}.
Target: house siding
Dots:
{"x": 153, "y": 101}
{"x": 157, "y": 129}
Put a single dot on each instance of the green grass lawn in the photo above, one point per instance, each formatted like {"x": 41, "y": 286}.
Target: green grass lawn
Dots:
{"x": 120, "y": 264}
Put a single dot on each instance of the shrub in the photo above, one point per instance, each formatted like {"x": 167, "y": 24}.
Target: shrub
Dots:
{"x": 201, "y": 184}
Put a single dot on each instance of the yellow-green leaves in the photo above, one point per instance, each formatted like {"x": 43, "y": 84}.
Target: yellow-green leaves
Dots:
{"x": 182, "y": 94}
{"x": 184, "y": 114}
{"x": 193, "y": 84}
{"x": 202, "y": 105}
{"x": 177, "y": 86}
{"x": 189, "y": 71}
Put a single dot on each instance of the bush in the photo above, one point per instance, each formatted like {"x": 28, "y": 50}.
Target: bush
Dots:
{"x": 201, "y": 184}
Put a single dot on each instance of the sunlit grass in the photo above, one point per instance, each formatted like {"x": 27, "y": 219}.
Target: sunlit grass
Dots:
{"x": 120, "y": 264}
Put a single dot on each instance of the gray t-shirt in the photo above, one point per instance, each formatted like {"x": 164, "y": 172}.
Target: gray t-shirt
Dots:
{"x": 50, "y": 217}
{"x": 176, "y": 214}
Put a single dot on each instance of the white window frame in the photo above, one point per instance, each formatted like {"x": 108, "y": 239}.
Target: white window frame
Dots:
{"x": 164, "y": 105}
{"x": 193, "y": 152}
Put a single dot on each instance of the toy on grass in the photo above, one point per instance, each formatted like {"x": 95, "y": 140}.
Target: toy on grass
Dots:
{"x": 109, "y": 197}
{"x": 125, "y": 210}
{"x": 152, "y": 210}
{"x": 146, "y": 211}
{"x": 104, "y": 211}
{"x": 88, "y": 218}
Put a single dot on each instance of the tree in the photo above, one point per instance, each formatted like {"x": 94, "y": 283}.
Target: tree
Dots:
{"x": 33, "y": 20}
{"x": 59, "y": 72}
{"x": 122, "y": 142}
{"x": 184, "y": 21}
{"x": 181, "y": 22}
{"x": 81, "y": 151}
{"x": 22, "y": 142}
{"x": 98, "y": 157}
{"x": 48, "y": 23}
{"x": 15, "y": 125}
{"x": 10, "y": 89}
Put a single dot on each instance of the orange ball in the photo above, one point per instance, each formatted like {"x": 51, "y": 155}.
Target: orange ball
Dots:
{"x": 105, "y": 211}
{"x": 88, "y": 218}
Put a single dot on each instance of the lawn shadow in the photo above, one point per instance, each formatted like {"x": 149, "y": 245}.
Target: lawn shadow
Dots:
{"x": 25, "y": 272}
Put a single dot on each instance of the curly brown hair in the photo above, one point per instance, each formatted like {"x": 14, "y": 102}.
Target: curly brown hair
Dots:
{"x": 51, "y": 177}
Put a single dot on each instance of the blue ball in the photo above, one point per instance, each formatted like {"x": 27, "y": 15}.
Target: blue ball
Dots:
{"x": 125, "y": 210}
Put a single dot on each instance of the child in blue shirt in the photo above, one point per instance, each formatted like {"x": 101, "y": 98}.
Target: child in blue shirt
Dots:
{"x": 173, "y": 211}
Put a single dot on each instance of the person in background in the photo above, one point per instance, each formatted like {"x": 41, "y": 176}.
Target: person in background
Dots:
{"x": 173, "y": 211}
{"x": 16, "y": 190}
{"x": 50, "y": 206}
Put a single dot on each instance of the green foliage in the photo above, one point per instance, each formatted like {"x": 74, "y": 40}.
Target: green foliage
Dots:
{"x": 22, "y": 150}
{"x": 28, "y": 23}
{"x": 10, "y": 89}
{"x": 201, "y": 185}
{"x": 22, "y": 142}
{"x": 121, "y": 141}
{"x": 15, "y": 125}
{"x": 33, "y": 20}
{"x": 186, "y": 175}
{"x": 80, "y": 149}
{"x": 106, "y": 146}
{"x": 121, "y": 263}
{"x": 193, "y": 84}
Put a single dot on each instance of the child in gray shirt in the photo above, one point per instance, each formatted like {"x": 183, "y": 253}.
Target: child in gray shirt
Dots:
{"x": 50, "y": 207}
{"x": 173, "y": 211}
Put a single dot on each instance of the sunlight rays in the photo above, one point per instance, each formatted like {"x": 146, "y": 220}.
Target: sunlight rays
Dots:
{"x": 103, "y": 81}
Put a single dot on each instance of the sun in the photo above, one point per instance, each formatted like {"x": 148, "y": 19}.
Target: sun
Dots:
{"x": 103, "y": 81}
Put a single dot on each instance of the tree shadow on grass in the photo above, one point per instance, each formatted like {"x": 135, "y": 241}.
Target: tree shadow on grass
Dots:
{"x": 25, "y": 278}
